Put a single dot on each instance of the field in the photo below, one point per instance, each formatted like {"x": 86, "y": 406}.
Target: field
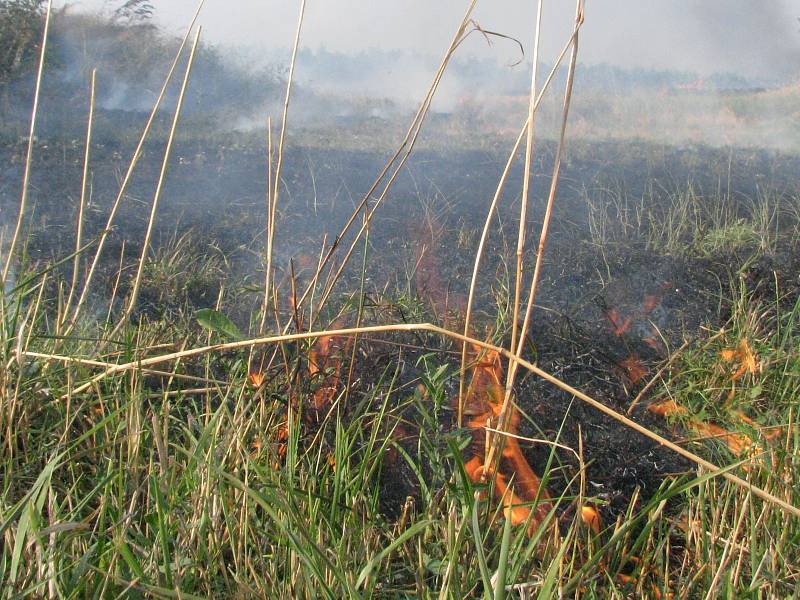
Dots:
{"x": 304, "y": 363}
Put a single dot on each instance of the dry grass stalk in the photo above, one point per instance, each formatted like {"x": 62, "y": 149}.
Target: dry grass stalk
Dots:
{"x": 490, "y": 216}
{"x": 394, "y": 164}
{"x": 275, "y": 185}
{"x": 513, "y": 365}
{"x": 107, "y": 365}
{"x": 129, "y": 172}
{"x": 476, "y": 268}
{"x": 26, "y": 177}
{"x": 270, "y": 217}
{"x": 523, "y": 212}
{"x": 84, "y": 184}
{"x": 159, "y": 188}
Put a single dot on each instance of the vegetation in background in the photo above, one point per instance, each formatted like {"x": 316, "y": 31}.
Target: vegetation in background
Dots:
{"x": 20, "y": 34}
{"x": 131, "y": 57}
{"x": 134, "y": 10}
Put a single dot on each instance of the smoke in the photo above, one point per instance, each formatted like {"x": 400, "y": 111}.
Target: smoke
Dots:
{"x": 750, "y": 38}
{"x": 760, "y": 40}
{"x": 666, "y": 71}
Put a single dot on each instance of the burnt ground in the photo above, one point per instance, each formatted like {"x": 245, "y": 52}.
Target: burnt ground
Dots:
{"x": 583, "y": 349}
{"x": 598, "y": 308}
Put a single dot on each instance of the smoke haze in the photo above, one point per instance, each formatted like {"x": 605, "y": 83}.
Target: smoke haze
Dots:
{"x": 756, "y": 40}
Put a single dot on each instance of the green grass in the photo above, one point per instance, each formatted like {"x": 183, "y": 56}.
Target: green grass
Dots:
{"x": 141, "y": 489}
{"x": 687, "y": 223}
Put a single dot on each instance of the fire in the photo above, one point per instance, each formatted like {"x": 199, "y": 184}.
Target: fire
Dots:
{"x": 633, "y": 369}
{"x": 620, "y": 325}
{"x": 325, "y": 365}
{"x": 738, "y": 443}
{"x": 256, "y": 379}
{"x": 743, "y": 360}
{"x": 591, "y": 518}
{"x": 516, "y": 486}
{"x": 515, "y": 483}
{"x": 743, "y": 356}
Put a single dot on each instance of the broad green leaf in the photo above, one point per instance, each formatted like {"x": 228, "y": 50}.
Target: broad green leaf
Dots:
{"x": 218, "y": 323}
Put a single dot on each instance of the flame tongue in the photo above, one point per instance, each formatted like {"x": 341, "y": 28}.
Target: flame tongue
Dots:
{"x": 738, "y": 443}
{"x": 484, "y": 401}
{"x": 325, "y": 364}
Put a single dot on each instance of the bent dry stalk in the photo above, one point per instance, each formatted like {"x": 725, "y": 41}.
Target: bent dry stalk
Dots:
{"x": 428, "y": 327}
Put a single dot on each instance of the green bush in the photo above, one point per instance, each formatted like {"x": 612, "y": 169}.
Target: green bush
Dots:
{"x": 20, "y": 34}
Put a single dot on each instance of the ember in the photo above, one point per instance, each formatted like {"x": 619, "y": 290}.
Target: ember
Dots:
{"x": 638, "y": 324}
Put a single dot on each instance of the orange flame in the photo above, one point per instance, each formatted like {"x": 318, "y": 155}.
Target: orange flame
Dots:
{"x": 633, "y": 369}
{"x": 620, "y": 325}
{"x": 325, "y": 362}
{"x": 591, "y": 518}
{"x": 742, "y": 355}
{"x": 256, "y": 379}
{"x": 484, "y": 401}
{"x": 738, "y": 443}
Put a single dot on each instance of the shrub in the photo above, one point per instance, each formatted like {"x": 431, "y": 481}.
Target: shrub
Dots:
{"x": 20, "y": 33}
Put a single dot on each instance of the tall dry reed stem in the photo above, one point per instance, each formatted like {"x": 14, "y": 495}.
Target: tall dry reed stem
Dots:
{"x": 275, "y": 189}
{"x": 394, "y": 164}
{"x": 84, "y": 185}
{"x": 553, "y": 186}
{"x": 513, "y": 365}
{"x": 268, "y": 241}
{"x": 523, "y": 210}
{"x": 488, "y": 221}
{"x": 436, "y": 330}
{"x": 159, "y": 187}
{"x": 131, "y": 168}
{"x": 26, "y": 177}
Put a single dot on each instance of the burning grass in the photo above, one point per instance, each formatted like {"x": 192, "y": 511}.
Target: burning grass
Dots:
{"x": 526, "y": 501}
{"x": 144, "y": 482}
{"x": 169, "y": 455}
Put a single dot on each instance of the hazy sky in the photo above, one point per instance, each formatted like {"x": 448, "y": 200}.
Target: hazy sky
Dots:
{"x": 755, "y": 38}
